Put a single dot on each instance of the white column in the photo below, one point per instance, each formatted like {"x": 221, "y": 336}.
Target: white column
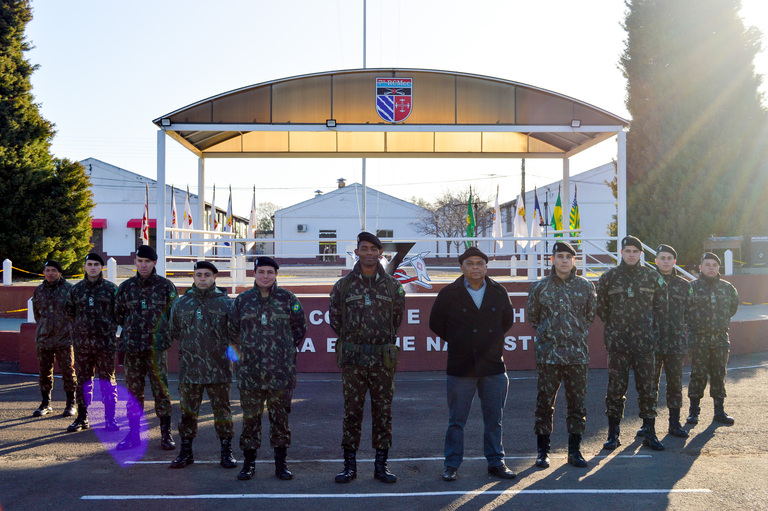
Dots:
{"x": 621, "y": 188}
{"x": 564, "y": 194}
{"x": 728, "y": 262}
{"x": 112, "y": 270}
{"x": 7, "y": 272}
{"x": 160, "y": 199}
{"x": 30, "y": 311}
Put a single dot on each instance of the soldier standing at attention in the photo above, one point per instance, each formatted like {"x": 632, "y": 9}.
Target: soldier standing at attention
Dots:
{"x": 672, "y": 342}
{"x": 91, "y": 309}
{"x": 561, "y": 308}
{"x": 366, "y": 310}
{"x": 203, "y": 322}
{"x": 472, "y": 315}
{"x": 629, "y": 296}
{"x": 52, "y": 337}
{"x": 713, "y": 304}
{"x": 140, "y": 304}
{"x": 271, "y": 326}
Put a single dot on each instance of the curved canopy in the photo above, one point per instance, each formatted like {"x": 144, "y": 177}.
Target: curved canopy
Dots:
{"x": 430, "y": 114}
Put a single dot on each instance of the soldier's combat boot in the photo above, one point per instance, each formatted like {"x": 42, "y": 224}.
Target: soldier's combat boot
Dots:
{"x": 675, "y": 428}
{"x": 574, "y": 451}
{"x": 542, "y": 443}
{"x": 650, "y": 439}
{"x": 281, "y": 467}
{"x": 81, "y": 421}
{"x": 641, "y": 431}
{"x": 45, "y": 405}
{"x": 166, "y": 439}
{"x": 694, "y": 410}
{"x": 380, "y": 470}
{"x": 613, "y": 434}
{"x": 249, "y": 465}
{"x": 185, "y": 456}
{"x": 227, "y": 460}
{"x": 133, "y": 438}
{"x": 720, "y": 415}
{"x": 109, "y": 417}
{"x": 69, "y": 408}
{"x": 350, "y": 467}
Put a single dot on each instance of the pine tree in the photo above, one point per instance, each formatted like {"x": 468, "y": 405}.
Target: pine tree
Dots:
{"x": 45, "y": 202}
{"x": 696, "y": 148}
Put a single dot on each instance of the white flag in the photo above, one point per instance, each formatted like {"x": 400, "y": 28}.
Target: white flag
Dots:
{"x": 521, "y": 227}
{"x": 252, "y": 222}
{"x": 145, "y": 220}
{"x": 228, "y": 221}
{"x": 496, "y": 233}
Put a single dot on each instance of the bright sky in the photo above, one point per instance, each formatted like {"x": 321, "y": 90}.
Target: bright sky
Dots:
{"x": 108, "y": 68}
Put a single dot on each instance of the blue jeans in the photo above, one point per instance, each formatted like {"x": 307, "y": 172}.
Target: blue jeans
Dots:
{"x": 492, "y": 391}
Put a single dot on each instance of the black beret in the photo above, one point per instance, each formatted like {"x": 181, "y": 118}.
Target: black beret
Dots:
{"x": 265, "y": 261}
{"x": 563, "y": 246}
{"x": 370, "y": 238}
{"x": 710, "y": 255}
{"x": 54, "y": 264}
{"x": 146, "y": 252}
{"x": 668, "y": 249}
{"x": 631, "y": 240}
{"x": 95, "y": 257}
{"x": 205, "y": 265}
{"x": 472, "y": 252}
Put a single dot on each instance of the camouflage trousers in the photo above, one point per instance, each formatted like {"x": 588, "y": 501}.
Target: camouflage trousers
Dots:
{"x": 190, "y": 398}
{"x": 708, "y": 362}
{"x": 574, "y": 377}
{"x": 45, "y": 360}
{"x": 673, "y": 370}
{"x": 380, "y": 382}
{"x": 102, "y": 364}
{"x": 278, "y": 403}
{"x": 138, "y": 366}
{"x": 644, "y": 367}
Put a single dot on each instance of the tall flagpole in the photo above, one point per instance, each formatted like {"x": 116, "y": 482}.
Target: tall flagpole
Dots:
{"x": 365, "y": 188}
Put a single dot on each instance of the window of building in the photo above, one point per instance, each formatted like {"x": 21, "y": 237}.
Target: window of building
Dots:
{"x": 152, "y": 237}
{"x": 327, "y": 249}
{"x": 385, "y": 233}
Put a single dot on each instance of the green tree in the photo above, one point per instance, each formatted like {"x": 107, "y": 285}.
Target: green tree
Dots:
{"x": 46, "y": 202}
{"x": 696, "y": 148}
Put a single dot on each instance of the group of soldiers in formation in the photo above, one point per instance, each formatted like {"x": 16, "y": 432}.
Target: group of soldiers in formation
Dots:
{"x": 651, "y": 318}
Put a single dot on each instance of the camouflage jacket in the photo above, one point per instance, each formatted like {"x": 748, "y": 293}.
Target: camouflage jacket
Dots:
{"x": 374, "y": 311}
{"x": 628, "y": 297}
{"x": 670, "y": 324}
{"x": 91, "y": 308}
{"x": 713, "y": 304}
{"x": 204, "y": 323}
{"x": 269, "y": 332}
{"x": 561, "y": 311}
{"x": 53, "y": 327}
{"x": 139, "y": 307}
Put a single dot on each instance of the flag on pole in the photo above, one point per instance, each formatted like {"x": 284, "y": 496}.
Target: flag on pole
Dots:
{"x": 214, "y": 221}
{"x": 252, "y": 222}
{"x": 574, "y": 220}
{"x": 496, "y": 233}
{"x": 537, "y": 218}
{"x": 145, "y": 219}
{"x": 557, "y": 216}
{"x": 186, "y": 222}
{"x": 470, "y": 220}
{"x": 228, "y": 221}
{"x": 174, "y": 217}
{"x": 521, "y": 227}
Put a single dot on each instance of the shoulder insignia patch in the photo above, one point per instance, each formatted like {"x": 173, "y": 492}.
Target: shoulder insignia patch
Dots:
{"x": 690, "y": 291}
{"x": 296, "y": 307}
{"x": 400, "y": 290}
{"x": 172, "y": 295}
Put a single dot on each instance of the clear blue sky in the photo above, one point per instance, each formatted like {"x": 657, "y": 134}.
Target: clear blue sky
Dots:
{"x": 108, "y": 68}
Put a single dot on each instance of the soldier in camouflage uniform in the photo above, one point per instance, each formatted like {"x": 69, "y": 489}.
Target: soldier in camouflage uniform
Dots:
{"x": 271, "y": 326}
{"x": 203, "y": 322}
{"x": 713, "y": 304}
{"x": 91, "y": 308}
{"x": 52, "y": 338}
{"x": 140, "y": 304}
{"x": 672, "y": 339}
{"x": 561, "y": 308}
{"x": 366, "y": 309}
{"x": 628, "y": 297}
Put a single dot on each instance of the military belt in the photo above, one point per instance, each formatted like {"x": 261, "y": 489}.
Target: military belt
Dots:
{"x": 368, "y": 349}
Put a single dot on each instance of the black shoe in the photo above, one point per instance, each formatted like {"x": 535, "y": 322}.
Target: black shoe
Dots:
{"x": 185, "y": 457}
{"x": 166, "y": 439}
{"x": 133, "y": 438}
{"x": 720, "y": 415}
{"x": 501, "y": 472}
{"x": 542, "y": 443}
{"x": 70, "y": 409}
{"x": 380, "y": 469}
{"x": 281, "y": 467}
{"x": 650, "y": 440}
{"x": 693, "y": 412}
{"x": 675, "y": 428}
{"x": 574, "y": 453}
{"x": 613, "y": 435}
{"x": 110, "y": 424}
{"x": 227, "y": 460}
{"x": 450, "y": 474}
{"x": 81, "y": 422}
{"x": 350, "y": 467}
{"x": 249, "y": 465}
{"x": 641, "y": 432}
